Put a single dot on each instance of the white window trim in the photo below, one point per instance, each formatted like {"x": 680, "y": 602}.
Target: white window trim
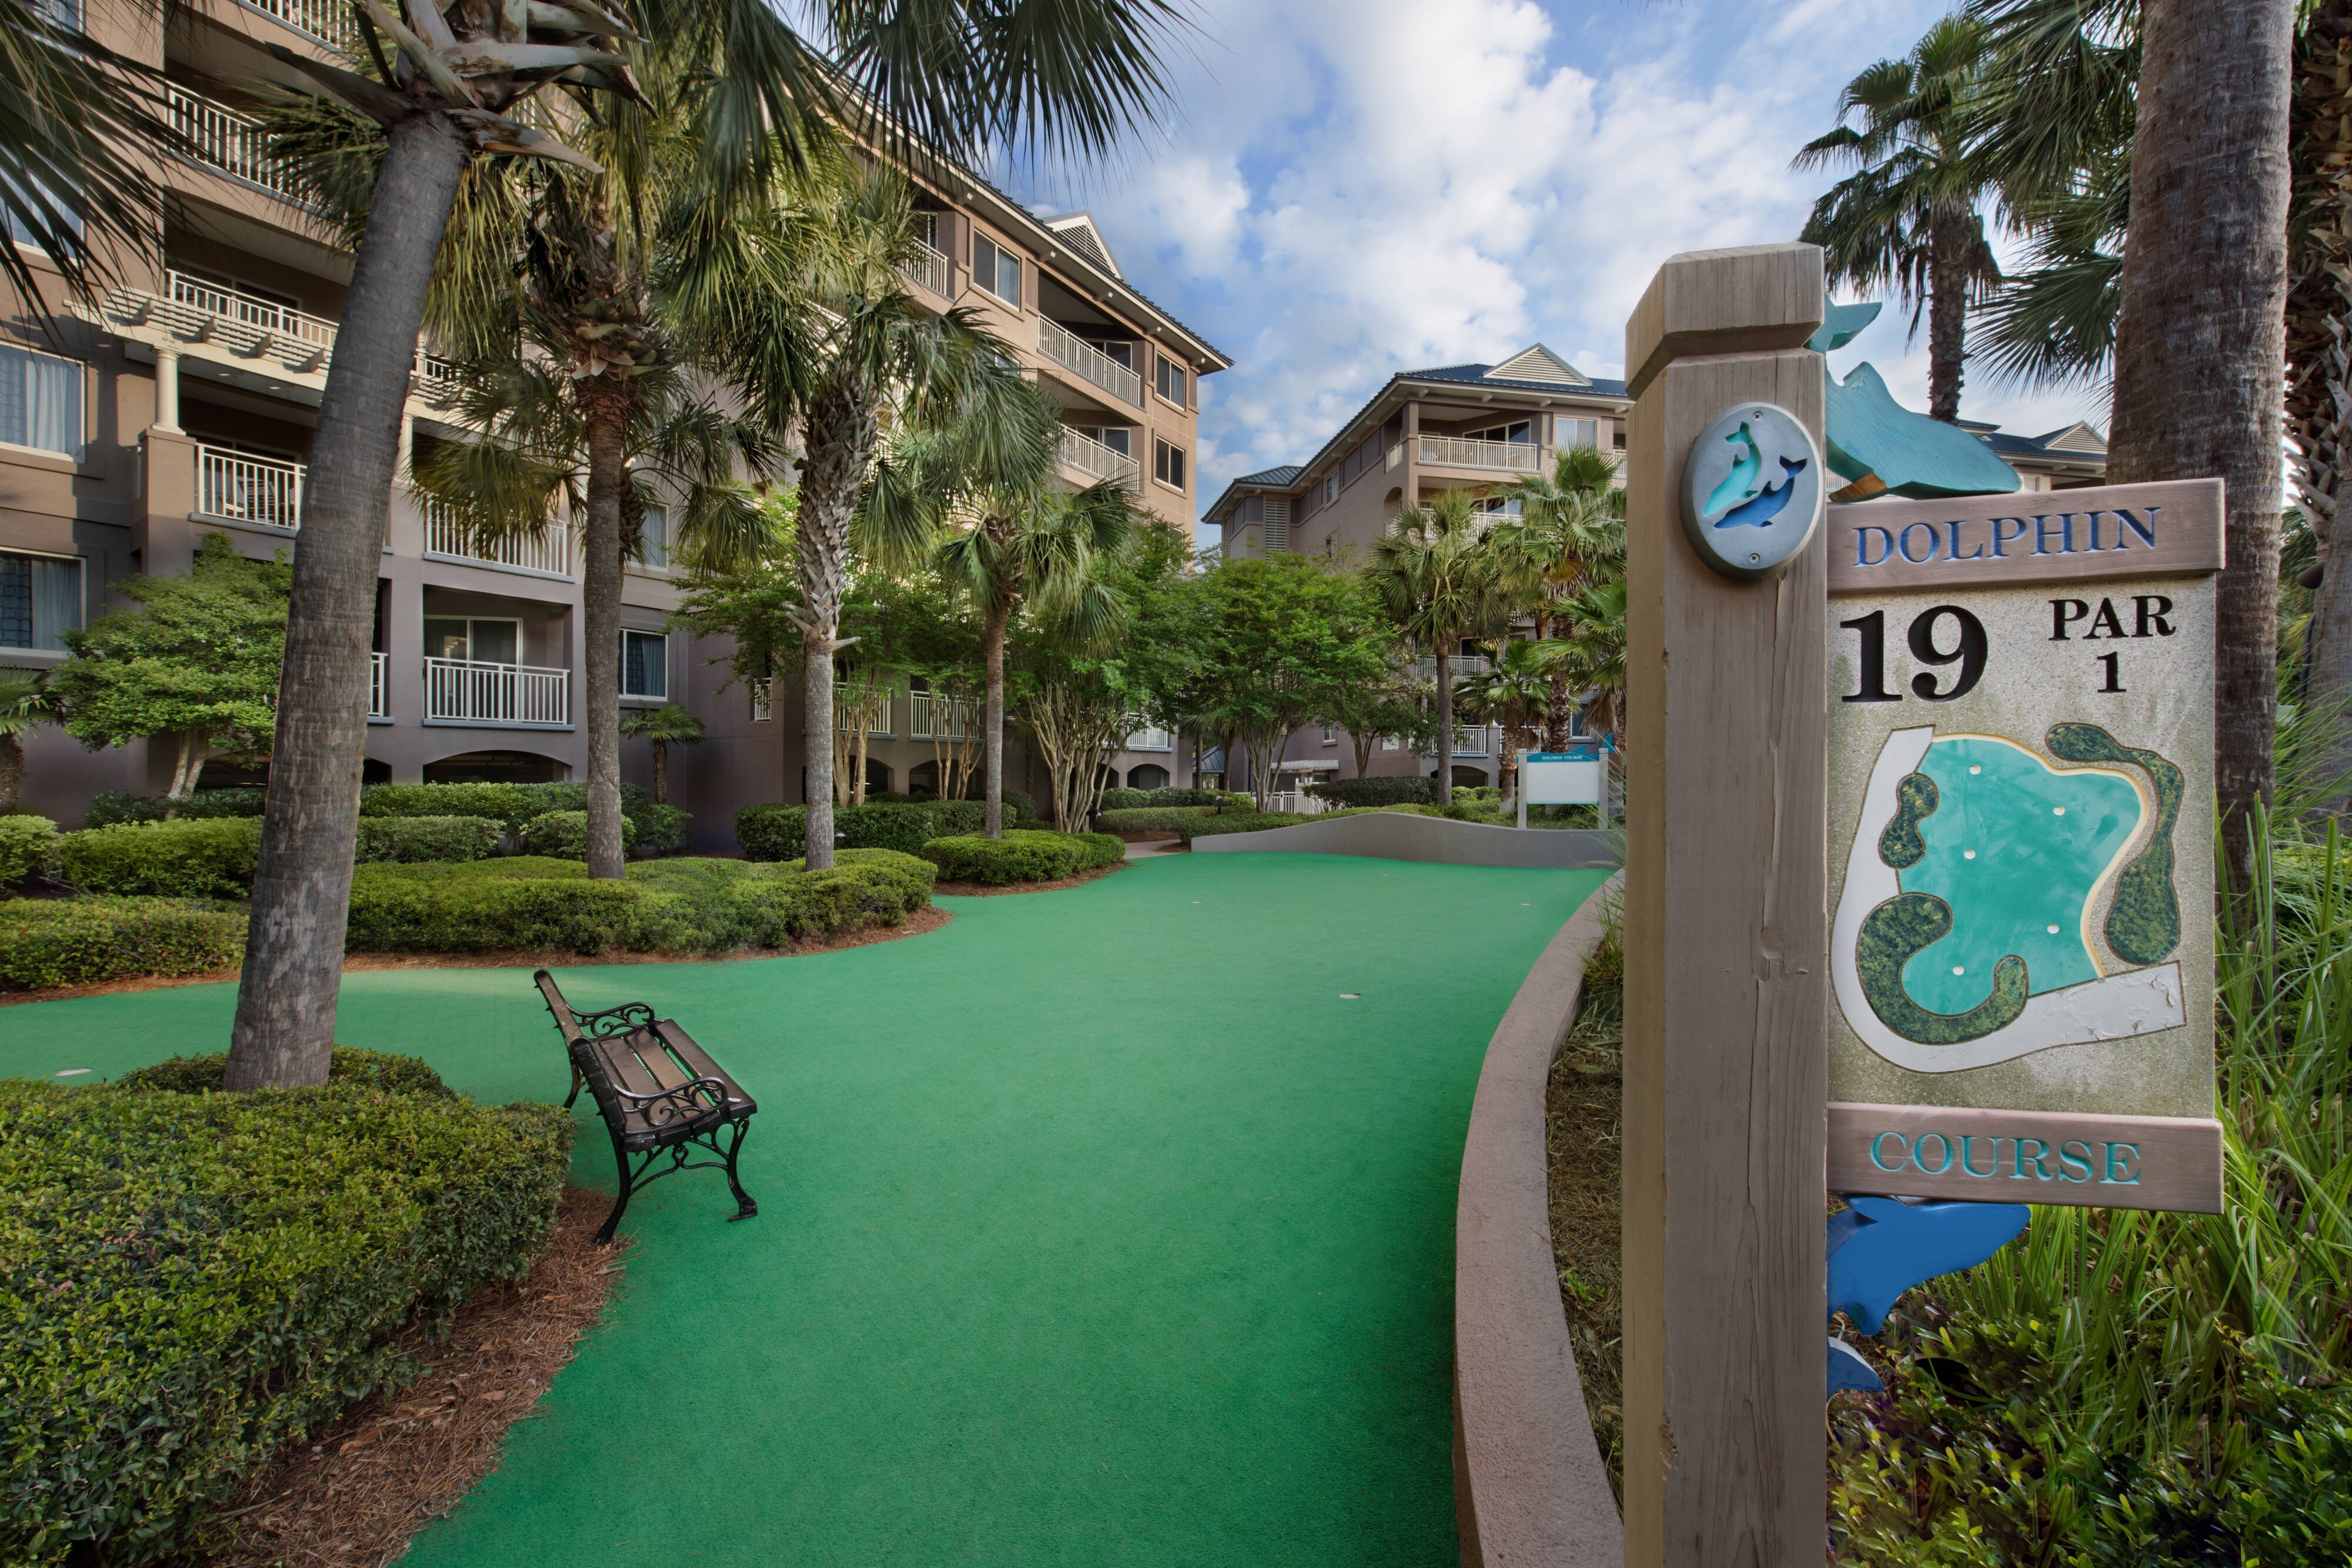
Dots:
{"x": 78, "y": 461}
{"x": 1158, "y": 359}
{"x": 1001, "y": 248}
{"x": 43, "y": 656}
{"x": 1182, "y": 453}
{"x": 622, "y": 653}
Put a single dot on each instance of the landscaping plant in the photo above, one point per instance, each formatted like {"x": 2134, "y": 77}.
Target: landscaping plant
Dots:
{"x": 47, "y": 942}
{"x": 1023, "y": 855}
{"x": 27, "y": 844}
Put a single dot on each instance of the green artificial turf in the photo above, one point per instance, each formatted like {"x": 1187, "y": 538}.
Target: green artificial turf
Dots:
{"x": 1096, "y": 1229}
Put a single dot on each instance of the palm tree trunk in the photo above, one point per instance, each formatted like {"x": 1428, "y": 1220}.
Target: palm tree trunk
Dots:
{"x": 2320, "y": 358}
{"x": 605, "y": 408}
{"x": 1445, "y": 724}
{"x": 11, "y": 769}
{"x": 284, "y": 1032}
{"x": 841, "y": 428}
{"x": 661, "y": 773}
{"x": 1950, "y": 240}
{"x": 2201, "y": 335}
{"x": 993, "y": 725}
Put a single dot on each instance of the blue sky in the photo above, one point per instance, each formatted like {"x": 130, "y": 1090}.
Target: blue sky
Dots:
{"x": 1355, "y": 187}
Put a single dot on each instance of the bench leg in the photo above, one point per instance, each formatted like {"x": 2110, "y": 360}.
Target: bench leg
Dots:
{"x": 745, "y": 1207}
{"x": 620, "y": 1204}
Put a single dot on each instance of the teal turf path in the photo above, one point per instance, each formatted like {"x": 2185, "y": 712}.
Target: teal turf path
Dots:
{"x": 1096, "y": 1229}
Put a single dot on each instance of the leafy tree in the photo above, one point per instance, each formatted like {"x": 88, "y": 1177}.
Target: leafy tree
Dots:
{"x": 1277, "y": 644}
{"x": 199, "y": 658}
{"x": 665, "y": 727}
{"x": 1396, "y": 707}
{"x": 1440, "y": 584}
{"x": 25, "y": 705}
{"x": 1906, "y": 217}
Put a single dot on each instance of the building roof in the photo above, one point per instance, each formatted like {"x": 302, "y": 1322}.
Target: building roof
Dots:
{"x": 1270, "y": 478}
{"x": 1492, "y": 375}
{"x": 1086, "y": 238}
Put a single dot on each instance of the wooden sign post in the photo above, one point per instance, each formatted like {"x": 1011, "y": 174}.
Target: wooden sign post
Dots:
{"x": 1726, "y": 938}
{"x": 2021, "y": 847}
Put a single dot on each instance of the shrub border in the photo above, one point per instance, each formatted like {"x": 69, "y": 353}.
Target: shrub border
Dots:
{"x": 1529, "y": 1483}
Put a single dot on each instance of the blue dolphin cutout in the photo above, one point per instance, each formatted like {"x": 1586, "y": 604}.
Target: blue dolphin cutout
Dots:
{"x": 1881, "y": 1247}
{"x": 1758, "y": 513}
{"x": 1848, "y": 1370}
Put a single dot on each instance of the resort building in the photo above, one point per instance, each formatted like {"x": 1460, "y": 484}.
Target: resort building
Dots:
{"x": 183, "y": 403}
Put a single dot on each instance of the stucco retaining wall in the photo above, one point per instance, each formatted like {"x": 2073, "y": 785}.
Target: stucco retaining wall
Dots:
{"x": 1528, "y": 1487}
{"x": 1405, "y": 836}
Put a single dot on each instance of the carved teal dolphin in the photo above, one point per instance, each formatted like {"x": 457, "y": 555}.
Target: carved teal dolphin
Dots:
{"x": 1881, "y": 1247}
{"x": 1760, "y": 512}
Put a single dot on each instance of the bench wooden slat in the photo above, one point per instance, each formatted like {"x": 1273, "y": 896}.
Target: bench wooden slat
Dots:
{"x": 697, "y": 1060}
{"x": 621, "y": 1062}
{"x": 657, "y": 1062}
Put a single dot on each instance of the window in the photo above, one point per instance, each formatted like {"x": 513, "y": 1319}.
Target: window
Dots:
{"x": 1117, "y": 437}
{"x": 1501, "y": 506}
{"x": 40, "y": 596}
{"x": 652, "y": 537}
{"x": 477, "y": 640}
{"x": 996, "y": 269}
{"x": 763, "y": 700}
{"x": 1388, "y": 743}
{"x": 1580, "y": 433}
{"x": 645, "y": 666}
{"x": 1167, "y": 463}
{"x": 927, "y": 228}
{"x": 1171, "y": 380}
{"x": 1518, "y": 429}
{"x": 1330, "y": 489}
{"x": 64, "y": 215}
{"x": 1330, "y": 735}
{"x": 40, "y": 402}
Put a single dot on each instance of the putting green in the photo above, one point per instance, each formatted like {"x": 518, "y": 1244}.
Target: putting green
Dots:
{"x": 1096, "y": 1227}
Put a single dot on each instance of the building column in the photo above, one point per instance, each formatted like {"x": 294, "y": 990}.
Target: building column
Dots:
{"x": 167, "y": 391}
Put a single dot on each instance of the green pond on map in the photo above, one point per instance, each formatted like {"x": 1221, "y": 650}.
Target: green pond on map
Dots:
{"x": 2016, "y": 849}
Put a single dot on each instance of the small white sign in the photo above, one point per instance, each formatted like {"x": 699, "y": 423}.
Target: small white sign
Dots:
{"x": 1559, "y": 779}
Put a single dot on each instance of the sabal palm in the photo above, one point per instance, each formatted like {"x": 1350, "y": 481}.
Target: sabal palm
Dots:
{"x": 664, "y": 728}
{"x": 1515, "y": 690}
{"x": 24, "y": 707}
{"x": 1440, "y": 583}
{"x": 1570, "y": 533}
{"x": 1052, "y": 74}
{"x": 1906, "y": 217}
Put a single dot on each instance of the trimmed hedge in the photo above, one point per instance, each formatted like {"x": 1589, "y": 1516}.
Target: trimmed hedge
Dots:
{"x": 196, "y": 1279}
{"x": 47, "y": 942}
{"x": 780, "y": 833}
{"x": 562, "y": 834}
{"x": 661, "y": 829}
{"x": 1151, "y": 819}
{"x": 381, "y": 1069}
{"x": 1123, "y": 800}
{"x": 27, "y": 844}
{"x": 1169, "y": 795}
{"x": 1023, "y": 855}
{"x": 1378, "y": 791}
{"x": 238, "y": 800}
{"x": 383, "y": 839}
{"x": 1238, "y": 823}
{"x": 682, "y": 905}
{"x": 203, "y": 858}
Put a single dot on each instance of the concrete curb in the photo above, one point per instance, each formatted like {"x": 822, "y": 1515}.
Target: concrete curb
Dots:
{"x": 1403, "y": 836}
{"x": 1528, "y": 1485}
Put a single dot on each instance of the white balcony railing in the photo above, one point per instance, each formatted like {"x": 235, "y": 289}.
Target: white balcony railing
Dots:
{"x": 1471, "y": 742}
{"x": 1058, "y": 344}
{"x": 219, "y": 136}
{"x": 1094, "y": 459}
{"x": 1152, "y": 740}
{"x": 466, "y": 691}
{"x": 244, "y": 488}
{"x": 445, "y": 537}
{"x": 928, "y": 269}
{"x": 1459, "y": 452}
{"x": 1464, "y": 664}
{"x": 881, "y": 718}
{"x": 194, "y": 315}
{"x": 379, "y": 693}
{"x": 322, "y": 19}
{"x": 926, "y": 714}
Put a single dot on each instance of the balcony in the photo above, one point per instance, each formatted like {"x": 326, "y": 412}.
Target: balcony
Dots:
{"x": 237, "y": 487}
{"x": 379, "y": 688}
{"x": 1096, "y": 461}
{"x": 445, "y": 538}
{"x": 929, "y": 269}
{"x": 843, "y": 718}
{"x": 193, "y": 316}
{"x": 932, "y": 717}
{"x": 221, "y": 138}
{"x": 1464, "y": 664}
{"x": 322, "y": 19}
{"x": 1152, "y": 740}
{"x": 464, "y": 691}
{"x": 1087, "y": 363}
{"x": 1460, "y": 452}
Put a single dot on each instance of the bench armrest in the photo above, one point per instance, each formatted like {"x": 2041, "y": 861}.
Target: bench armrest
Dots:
{"x": 627, "y": 1018}
{"x": 668, "y": 1105}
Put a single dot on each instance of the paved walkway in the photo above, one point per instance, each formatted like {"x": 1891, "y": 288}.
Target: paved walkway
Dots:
{"x": 1097, "y": 1227}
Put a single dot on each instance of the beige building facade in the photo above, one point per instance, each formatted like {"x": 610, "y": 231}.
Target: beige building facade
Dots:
{"x": 183, "y": 403}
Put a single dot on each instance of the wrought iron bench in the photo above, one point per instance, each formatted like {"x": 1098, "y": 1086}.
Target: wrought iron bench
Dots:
{"x": 659, "y": 1094}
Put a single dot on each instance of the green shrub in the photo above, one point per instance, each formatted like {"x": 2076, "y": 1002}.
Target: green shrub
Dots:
{"x": 661, "y": 829}
{"x": 205, "y": 857}
{"x": 1123, "y": 799}
{"x": 1377, "y": 791}
{"x": 196, "y": 1280}
{"x": 425, "y": 839}
{"x": 958, "y": 817}
{"x": 1237, "y": 822}
{"x": 47, "y": 942}
{"x": 381, "y": 1070}
{"x": 1019, "y": 806}
{"x": 112, "y": 807}
{"x": 502, "y": 803}
{"x": 779, "y": 832}
{"x": 1022, "y": 855}
{"x": 563, "y": 835}
{"x": 27, "y": 844}
{"x": 1151, "y": 819}
{"x": 1169, "y": 795}
{"x": 772, "y": 832}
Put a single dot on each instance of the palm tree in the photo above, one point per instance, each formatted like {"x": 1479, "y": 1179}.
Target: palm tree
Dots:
{"x": 1440, "y": 584}
{"x": 2200, "y": 344}
{"x": 1515, "y": 690}
{"x": 908, "y": 73}
{"x": 1570, "y": 533}
{"x": 24, "y": 707}
{"x": 1906, "y": 218}
{"x": 665, "y": 727}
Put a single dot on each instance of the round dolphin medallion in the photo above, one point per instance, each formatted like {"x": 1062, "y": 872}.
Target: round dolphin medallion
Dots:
{"x": 1751, "y": 490}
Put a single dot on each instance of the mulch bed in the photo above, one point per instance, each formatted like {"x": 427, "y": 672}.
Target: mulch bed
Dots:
{"x": 916, "y": 924}
{"x": 1583, "y": 1145}
{"x": 354, "y": 1498}
{"x": 985, "y": 889}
